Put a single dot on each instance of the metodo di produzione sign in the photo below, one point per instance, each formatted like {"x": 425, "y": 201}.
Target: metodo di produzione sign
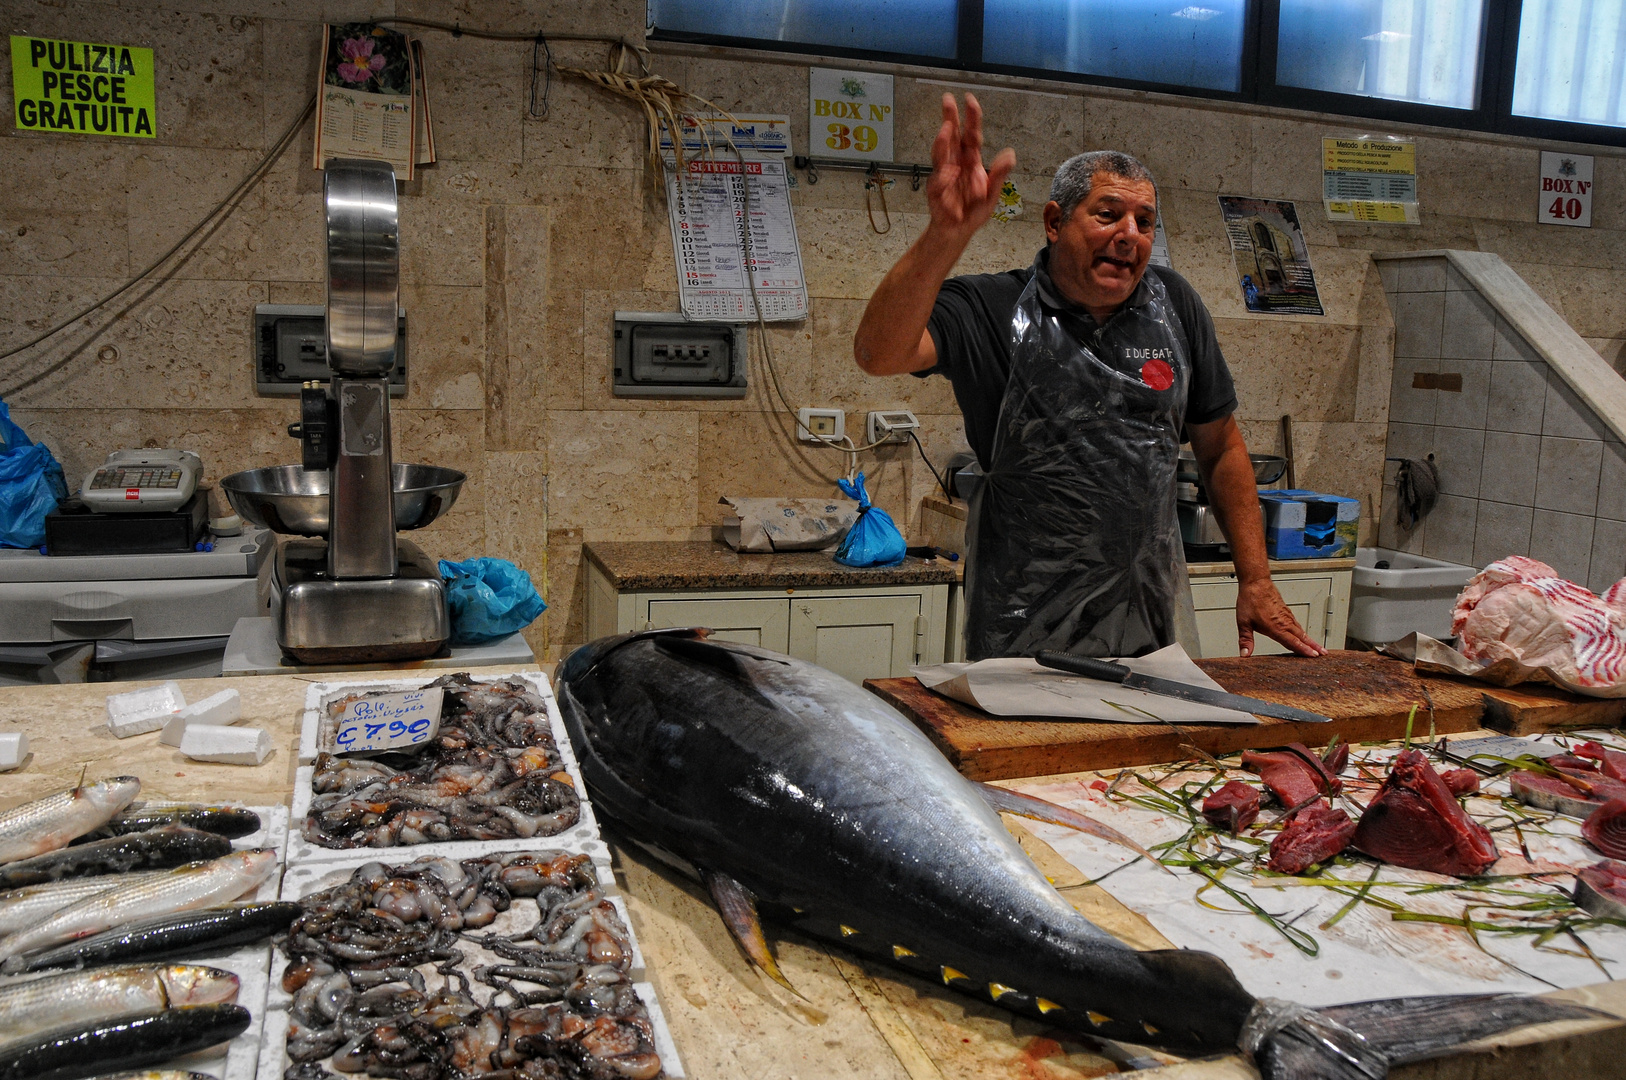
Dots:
{"x": 82, "y": 87}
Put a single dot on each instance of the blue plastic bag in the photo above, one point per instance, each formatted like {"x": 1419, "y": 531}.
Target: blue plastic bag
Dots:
{"x": 874, "y": 539}
{"x": 31, "y": 485}
{"x": 490, "y": 598}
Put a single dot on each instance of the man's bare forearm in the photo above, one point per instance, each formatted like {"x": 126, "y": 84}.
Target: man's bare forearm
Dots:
{"x": 1234, "y": 495}
{"x": 889, "y": 335}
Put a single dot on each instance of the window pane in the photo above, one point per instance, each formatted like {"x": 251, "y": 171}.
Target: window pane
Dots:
{"x": 1571, "y": 55}
{"x": 1425, "y": 51}
{"x": 1165, "y": 41}
{"x": 915, "y": 27}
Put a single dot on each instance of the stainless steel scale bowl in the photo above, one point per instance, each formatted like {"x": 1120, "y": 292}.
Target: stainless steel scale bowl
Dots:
{"x": 294, "y": 500}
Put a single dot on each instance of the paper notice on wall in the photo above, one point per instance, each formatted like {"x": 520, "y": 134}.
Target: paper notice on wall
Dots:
{"x": 1272, "y": 259}
{"x": 365, "y": 97}
{"x": 1370, "y": 179}
{"x": 764, "y": 134}
{"x": 1566, "y": 190}
{"x": 849, "y": 114}
{"x": 727, "y": 215}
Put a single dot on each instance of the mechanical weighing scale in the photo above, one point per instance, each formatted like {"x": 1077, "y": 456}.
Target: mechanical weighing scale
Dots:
{"x": 349, "y": 591}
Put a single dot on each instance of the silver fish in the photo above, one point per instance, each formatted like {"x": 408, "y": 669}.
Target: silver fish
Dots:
{"x": 29, "y": 1006}
{"x": 154, "y": 1074}
{"x": 22, "y": 908}
{"x": 184, "y": 888}
{"x": 49, "y": 823}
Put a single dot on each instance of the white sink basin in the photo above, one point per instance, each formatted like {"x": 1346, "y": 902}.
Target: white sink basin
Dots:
{"x": 1410, "y": 593}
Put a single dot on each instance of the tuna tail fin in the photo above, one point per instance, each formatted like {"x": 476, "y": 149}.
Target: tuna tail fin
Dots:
{"x": 1361, "y": 1041}
{"x": 1007, "y": 801}
{"x": 739, "y": 912}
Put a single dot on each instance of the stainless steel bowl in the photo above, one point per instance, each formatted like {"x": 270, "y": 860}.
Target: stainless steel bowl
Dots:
{"x": 1267, "y": 468}
{"x": 288, "y": 499}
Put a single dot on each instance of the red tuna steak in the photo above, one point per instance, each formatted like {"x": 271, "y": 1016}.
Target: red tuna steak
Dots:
{"x": 1461, "y": 781}
{"x": 1601, "y": 889}
{"x": 1336, "y": 758}
{"x": 1314, "y": 834}
{"x": 1233, "y": 807}
{"x": 1294, "y": 774}
{"x": 1416, "y": 822}
{"x": 1613, "y": 762}
{"x": 1572, "y": 794}
{"x": 1605, "y": 829}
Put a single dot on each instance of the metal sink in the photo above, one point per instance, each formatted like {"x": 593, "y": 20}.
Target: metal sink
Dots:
{"x": 289, "y": 499}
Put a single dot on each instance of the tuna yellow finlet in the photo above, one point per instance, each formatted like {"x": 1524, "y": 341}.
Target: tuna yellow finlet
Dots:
{"x": 899, "y": 952}
{"x": 847, "y": 931}
{"x": 1150, "y": 1030}
{"x": 1098, "y": 1018}
{"x": 999, "y": 990}
{"x": 1048, "y": 1006}
{"x": 950, "y": 973}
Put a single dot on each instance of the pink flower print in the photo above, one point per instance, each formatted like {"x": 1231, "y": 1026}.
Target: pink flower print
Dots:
{"x": 359, "y": 61}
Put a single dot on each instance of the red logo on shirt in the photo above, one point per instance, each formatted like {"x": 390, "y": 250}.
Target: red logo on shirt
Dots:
{"x": 1157, "y": 374}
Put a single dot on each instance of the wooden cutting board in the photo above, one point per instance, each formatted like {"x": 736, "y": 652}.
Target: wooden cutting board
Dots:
{"x": 1533, "y": 708}
{"x": 1367, "y": 695}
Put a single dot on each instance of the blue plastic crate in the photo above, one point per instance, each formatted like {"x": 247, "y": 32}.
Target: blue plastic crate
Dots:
{"x": 1310, "y": 525}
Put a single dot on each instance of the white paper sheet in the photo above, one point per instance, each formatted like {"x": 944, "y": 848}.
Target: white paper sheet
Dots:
{"x": 1019, "y": 686}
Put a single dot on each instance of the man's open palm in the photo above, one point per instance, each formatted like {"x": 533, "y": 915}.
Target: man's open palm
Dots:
{"x": 962, "y": 193}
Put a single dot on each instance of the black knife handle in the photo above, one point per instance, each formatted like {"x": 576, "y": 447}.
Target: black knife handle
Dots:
{"x": 1083, "y": 665}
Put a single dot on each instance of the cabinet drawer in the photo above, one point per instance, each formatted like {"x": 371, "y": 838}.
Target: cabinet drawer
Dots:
{"x": 765, "y": 623}
{"x": 859, "y": 637}
{"x": 1307, "y": 598}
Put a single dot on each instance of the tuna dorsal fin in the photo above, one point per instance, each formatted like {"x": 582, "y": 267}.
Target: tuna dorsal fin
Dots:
{"x": 713, "y": 654}
{"x": 1007, "y": 801}
{"x": 739, "y": 912}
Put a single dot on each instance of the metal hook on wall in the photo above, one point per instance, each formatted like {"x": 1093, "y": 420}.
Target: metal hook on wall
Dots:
{"x": 914, "y": 178}
{"x": 874, "y": 179}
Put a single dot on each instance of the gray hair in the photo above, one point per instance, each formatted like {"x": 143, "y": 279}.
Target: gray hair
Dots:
{"x": 1077, "y": 176}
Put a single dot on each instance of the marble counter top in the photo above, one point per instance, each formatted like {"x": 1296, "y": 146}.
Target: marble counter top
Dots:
{"x": 702, "y": 564}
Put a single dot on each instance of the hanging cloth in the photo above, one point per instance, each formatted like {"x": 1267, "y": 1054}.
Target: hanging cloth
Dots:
{"x": 1075, "y": 543}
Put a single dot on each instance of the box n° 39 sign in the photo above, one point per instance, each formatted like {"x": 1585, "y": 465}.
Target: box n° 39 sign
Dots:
{"x": 82, "y": 87}
{"x": 399, "y": 721}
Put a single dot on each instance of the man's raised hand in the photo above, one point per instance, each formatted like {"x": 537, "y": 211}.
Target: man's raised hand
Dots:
{"x": 962, "y": 193}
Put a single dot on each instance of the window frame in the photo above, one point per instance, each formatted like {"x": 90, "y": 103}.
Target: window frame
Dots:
{"x": 1493, "y": 111}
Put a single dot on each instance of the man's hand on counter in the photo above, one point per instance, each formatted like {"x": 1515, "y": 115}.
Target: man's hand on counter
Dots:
{"x": 1260, "y": 608}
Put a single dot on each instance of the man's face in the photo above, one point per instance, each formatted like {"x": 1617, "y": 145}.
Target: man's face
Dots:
{"x": 1099, "y": 253}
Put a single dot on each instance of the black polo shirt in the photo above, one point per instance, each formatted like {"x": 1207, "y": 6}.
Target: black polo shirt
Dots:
{"x": 971, "y": 328}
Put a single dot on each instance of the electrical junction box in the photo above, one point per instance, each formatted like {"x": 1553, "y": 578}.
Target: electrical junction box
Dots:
{"x": 290, "y": 348}
{"x": 890, "y": 426}
{"x": 821, "y": 425}
{"x": 664, "y": 355}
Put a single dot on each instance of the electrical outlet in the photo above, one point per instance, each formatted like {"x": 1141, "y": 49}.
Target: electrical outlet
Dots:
{"x": 890, "y": 426}
{"x": 820, "y": 425}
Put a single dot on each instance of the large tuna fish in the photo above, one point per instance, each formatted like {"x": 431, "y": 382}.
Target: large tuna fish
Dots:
{"x": 784, "y": 785}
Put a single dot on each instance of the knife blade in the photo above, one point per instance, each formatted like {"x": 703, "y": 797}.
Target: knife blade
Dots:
{"x": 1107, "y": 671}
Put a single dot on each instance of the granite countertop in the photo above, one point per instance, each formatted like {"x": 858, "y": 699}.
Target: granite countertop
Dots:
{"x": 709, "y": 564}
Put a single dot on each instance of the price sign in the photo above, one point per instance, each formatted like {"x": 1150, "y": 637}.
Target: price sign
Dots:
{"x": 389, "y": 721}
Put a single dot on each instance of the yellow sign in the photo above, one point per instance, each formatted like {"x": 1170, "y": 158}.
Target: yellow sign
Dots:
{"x": 82, "y": 87}
{"x": 1368, "y": 156}
{"x": 1391, "y": 212}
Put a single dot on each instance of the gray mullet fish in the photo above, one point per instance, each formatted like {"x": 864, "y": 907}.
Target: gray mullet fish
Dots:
{"x": 784, "y": 785}
{"x": 189, "y": 933}
{"x": 22, "y": 908}
{"x": 49, "y": 823}
{"x": 154, "y": 849}
{"x": 78, "y": 1050}
{"x": 30, "y": 1006}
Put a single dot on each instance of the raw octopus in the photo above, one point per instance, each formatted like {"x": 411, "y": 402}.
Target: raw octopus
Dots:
{"x": 1312, "y": 835}
{"x": 562, "y": 1008}
{"x": 493, "y": 772}
{"x": 1416, "y": 822}
{"x": 1605, "y": 828}
{"x": 1295, "y": 775}
{"x": 1520, "y": 609}
{"x": 1233, "y": 807}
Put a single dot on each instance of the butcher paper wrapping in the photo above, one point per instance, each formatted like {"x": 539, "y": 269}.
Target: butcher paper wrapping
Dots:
{"x": 1429, "y": 654}
{"x": 1019, "y": 687}
{"x": 787, "y": 524}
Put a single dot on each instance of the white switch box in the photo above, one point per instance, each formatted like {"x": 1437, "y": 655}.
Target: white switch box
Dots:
{"x": 890, "y": 425}
{"x": 821, "y": 425}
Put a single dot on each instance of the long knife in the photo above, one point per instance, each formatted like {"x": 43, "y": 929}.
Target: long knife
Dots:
{"x": 1107, "y": 671}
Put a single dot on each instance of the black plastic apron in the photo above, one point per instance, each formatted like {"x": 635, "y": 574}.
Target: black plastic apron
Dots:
{"x": 1075, "y": 544}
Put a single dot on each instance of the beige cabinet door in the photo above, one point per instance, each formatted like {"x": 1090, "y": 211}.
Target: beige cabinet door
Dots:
{"x": 857, "y": 637}
{"x": 751, "y": 622}
{"x": 1308, "y": 598}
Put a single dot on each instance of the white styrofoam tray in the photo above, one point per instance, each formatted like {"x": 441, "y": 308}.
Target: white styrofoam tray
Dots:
{"x": 583, "y": 837}
{"x": 240, "y": 1058}
{"x": 304, "y": 879}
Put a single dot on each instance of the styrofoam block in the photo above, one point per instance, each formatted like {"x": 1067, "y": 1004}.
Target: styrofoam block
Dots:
{"x": 13, "y": 750}
{"x": 225, "y": 707}
{"x": 226, "y": 745}
{"x": 137, "y": 712}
